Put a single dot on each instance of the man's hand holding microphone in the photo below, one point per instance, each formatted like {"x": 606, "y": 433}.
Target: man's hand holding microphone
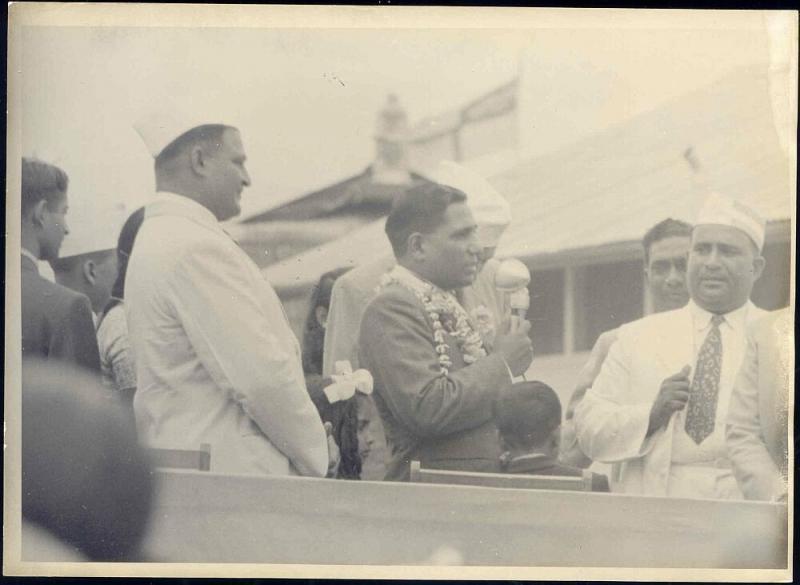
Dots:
{"x": 515, "y": 346}
{"x": 512, "y": 278}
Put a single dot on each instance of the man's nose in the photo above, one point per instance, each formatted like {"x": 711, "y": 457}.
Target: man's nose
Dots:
{"x": 245, "y": 178}
{"x": 675, "y": 276}
{"x": 713, "y": 258}
{"x": 474, "y": 247}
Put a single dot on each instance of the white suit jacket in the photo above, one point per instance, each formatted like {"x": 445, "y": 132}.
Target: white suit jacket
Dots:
{"x": 613, "y": 417}
{"x": 216, "y": 360}
{"x": 757, "y": 429}
{"x": 351, "y": 294}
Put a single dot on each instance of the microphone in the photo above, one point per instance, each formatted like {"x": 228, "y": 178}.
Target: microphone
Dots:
{"x": 512, "y": 277}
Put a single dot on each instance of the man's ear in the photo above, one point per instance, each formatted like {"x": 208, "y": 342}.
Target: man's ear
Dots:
{"x": 89, "y": 270}
{"x": 197, "y": 160}
{"x": 416, "y": 246}
{"x": 38, "y": 212}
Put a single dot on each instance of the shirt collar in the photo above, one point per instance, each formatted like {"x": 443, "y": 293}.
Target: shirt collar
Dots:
{"x": 735, "y": 319}
{"x": 28, "y": 254}
{"x": 167, "y": 203}
{"x": 412, "y": 280}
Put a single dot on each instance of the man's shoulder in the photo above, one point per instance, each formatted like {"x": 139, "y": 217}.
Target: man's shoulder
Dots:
{"x": 656, "y": 321}
{"x": 113, "y": 322}
{"x": 365, "y": 277}
{"x": 175, "y": 229}
{"x": 52, "y": 294}
{"x": 391, "y": 300}
{"x": 165, "y": 242}
{"x": 758, "y": 317}
{"x": 762, "y": 325}
{"x": 392, "y": 297}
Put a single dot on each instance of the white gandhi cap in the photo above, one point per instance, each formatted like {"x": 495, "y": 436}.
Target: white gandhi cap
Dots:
{"x": 159, "y": 127}
{"x": 718, "y": 210}
{"x": 490, "y": 209}
{"x": 92, "y": 229}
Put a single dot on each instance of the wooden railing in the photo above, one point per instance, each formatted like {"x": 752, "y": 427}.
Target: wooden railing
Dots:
{"x": 211, "y": 518}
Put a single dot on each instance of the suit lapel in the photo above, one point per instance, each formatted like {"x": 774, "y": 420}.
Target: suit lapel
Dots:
{"x": 674, "y": 344}
{"x": 674, "y": 349}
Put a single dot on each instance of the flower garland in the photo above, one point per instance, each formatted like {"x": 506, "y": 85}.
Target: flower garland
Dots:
{"x": 446, "y": 314}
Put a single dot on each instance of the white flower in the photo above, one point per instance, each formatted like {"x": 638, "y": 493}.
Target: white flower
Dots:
{"x": 438, "y": 304}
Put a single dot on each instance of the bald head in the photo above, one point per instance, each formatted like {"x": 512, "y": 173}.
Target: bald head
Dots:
{"x": 207, "y": 165}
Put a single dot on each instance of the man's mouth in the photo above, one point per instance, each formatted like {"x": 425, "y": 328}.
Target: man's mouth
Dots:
{"x": 713, "y": 282}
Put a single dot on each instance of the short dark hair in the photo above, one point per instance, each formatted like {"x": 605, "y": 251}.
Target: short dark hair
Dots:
{"x": 206, "y": 135}
{"x": 41, "y": 180}
{"x": 127, "y": 236}
{"x": 314, "y": 333}
{"x": 420, "y": 209}
{"x": 527, "y": 414}
{"x": 667, "y": 228}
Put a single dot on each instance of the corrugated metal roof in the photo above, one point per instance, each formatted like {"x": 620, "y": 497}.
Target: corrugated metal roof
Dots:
{"x": 613, "y": 186}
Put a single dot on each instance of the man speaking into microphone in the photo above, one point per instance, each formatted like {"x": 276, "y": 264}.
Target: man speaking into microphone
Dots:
{"x": 436, "y": 378}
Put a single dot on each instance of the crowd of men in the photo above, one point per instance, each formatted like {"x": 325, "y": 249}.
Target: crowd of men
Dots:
{"x": 690, "y": 401}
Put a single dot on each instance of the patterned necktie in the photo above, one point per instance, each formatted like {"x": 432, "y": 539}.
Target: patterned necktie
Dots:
{"x": 702, "y": 408}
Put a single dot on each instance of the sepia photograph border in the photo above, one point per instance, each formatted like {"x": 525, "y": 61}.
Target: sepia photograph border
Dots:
{"x": 23, "y": 15}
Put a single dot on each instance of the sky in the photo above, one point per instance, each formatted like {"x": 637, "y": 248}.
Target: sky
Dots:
{"x": 306, "y": 100}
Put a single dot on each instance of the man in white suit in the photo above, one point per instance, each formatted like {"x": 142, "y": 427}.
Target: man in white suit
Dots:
{"x": 216, "y": 359}
{"x": 659, "y": 405}
{"x": 758, "y": 418}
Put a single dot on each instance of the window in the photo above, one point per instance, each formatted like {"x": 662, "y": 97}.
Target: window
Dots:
{"x": 546, "y": 312}
{"x": 606, "y": 296}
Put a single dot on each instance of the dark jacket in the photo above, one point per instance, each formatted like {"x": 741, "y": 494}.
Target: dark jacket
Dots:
{"x": 444, "y": 422}
{"x": 538, "y": 464}
{"x": 56, "y": 321}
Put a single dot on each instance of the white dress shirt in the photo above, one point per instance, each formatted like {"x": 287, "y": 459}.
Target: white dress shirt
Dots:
{"x": 732, "y": 330}
{"x": 216, "y": 360}
{"x": 708, "y": 462}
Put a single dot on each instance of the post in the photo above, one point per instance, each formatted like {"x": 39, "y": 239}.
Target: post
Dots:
{"x": 569, "y": 310}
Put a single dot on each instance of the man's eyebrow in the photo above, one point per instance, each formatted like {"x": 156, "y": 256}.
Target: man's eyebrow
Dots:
{"x": 466, "y": 230}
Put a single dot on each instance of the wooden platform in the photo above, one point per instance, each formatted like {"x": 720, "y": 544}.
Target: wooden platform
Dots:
{"x": 210, "y": 518}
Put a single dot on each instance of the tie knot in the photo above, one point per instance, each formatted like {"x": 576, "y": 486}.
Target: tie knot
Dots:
{"x": 717, "y": 320}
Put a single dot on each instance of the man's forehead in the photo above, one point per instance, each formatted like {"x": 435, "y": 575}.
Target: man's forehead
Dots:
{"x": 458, "y": 216}
{"x": 711, "y": 233}
{"x": 233, "y": 139}
{"x": 671, "y": 246}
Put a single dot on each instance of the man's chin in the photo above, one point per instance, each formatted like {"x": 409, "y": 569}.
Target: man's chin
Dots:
{"x": 231, "y": 214}
{"x": 467, "y": 282}
{"x": 670, "y": 302}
